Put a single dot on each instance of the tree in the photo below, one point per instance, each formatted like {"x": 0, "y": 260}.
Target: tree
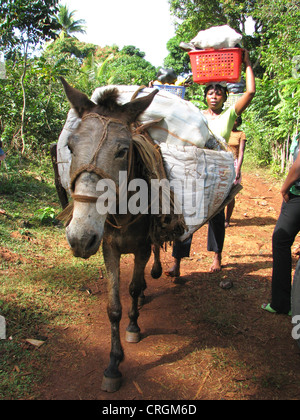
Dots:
{"x": 274, "y": 113}
{"x": 69, "y": 26}
{"x": 177, "y": 58}
{"x": 24, "y": 25}
{"x": 109, "y": 66}
{"x": 196, "y": 15}
{"x": 26, "y": 22}
{"x": 279, "y": 43}
{"x": 279, "y": 35}
{"x": 131, "y": 50}
{"x": 275, "y": 39}
{"x": 69, "y": 47}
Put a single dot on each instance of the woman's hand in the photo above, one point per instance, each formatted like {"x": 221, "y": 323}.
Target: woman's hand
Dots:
{"x": 237, "y": 176}
{"x": 285, "y": 195}
{"x": 246, "y": 58}
{"x": 292, "y": 177}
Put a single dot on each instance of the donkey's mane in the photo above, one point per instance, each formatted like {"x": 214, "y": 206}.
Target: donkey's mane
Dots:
{"x": 108, "y": 101}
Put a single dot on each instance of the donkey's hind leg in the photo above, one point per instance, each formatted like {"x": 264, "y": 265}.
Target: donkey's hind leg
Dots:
{"x": 136, "y": 289}
{"x": 156, "y": 271}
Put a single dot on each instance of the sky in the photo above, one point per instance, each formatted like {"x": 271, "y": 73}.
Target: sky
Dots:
{"x": 145, "y": 24}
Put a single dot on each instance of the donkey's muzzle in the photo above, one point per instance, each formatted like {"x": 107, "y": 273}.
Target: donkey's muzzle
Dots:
{"x": 83, "y": 245}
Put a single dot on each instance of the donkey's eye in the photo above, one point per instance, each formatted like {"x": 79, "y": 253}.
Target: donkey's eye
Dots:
{"x": 72, "y": 140}
{"x": 121, "y": 153}
{"x": 69, "y": 146}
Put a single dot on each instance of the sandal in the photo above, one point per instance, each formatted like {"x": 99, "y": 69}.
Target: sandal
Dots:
{"x": 267, "y": 307}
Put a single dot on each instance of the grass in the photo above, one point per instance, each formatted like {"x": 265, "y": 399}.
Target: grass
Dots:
{"x": 40, "y": 281}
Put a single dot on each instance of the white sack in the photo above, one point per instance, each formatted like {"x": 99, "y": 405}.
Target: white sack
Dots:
{"x": 182, "y": 123}
{"x": 202, "y": 180}
{"x": 217, "y": 37}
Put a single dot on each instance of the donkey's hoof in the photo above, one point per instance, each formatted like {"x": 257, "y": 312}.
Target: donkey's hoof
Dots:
{"x": 132, "y": 337}
{"x": 141, "y": 300}
{"x": 111, "y": 384}
{"x": 156, "y": 271}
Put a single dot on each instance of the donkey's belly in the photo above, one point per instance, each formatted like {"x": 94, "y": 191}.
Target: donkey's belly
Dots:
{"x": 133, "y": 240}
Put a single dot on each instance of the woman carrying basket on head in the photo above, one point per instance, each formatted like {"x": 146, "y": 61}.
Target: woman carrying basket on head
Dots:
{"x": 221, "y": 123}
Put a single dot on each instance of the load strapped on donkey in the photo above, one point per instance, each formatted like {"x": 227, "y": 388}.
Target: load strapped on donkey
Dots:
{"x": 201, "y": 178}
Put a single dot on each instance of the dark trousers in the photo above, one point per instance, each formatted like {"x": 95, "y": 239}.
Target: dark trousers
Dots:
{"x": 216, "y": 233}
{"x": 215, "y": 238}
{"x": 286, "y": 229}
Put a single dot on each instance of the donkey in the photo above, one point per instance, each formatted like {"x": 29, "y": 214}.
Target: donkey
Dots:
{"x": 100, "y": 148}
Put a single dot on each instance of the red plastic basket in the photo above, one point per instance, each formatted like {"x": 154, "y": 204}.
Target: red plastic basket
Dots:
{"x": 216, "y": 65}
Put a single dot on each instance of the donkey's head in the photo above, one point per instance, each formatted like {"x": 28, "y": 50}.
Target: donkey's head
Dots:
{"x": 99, "y": 147}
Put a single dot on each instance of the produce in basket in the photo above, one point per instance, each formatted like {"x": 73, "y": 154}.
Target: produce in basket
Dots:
{"x": 217, "y": 37}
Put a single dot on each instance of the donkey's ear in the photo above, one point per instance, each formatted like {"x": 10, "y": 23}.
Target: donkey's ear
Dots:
{"x": 134, "y": 108}
{"x": 79, "y": 101}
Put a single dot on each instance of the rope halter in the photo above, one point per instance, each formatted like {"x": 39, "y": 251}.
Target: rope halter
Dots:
{"x": 92, "y": 166}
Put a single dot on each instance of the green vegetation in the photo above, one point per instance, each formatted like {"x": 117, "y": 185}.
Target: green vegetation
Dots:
{"x": 273, "y": 117}
{"x": 33, "y": 111}
{"x": 35, "y": 304}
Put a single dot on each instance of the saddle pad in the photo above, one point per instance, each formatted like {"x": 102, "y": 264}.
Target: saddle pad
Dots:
{"x": 201, "y": 180}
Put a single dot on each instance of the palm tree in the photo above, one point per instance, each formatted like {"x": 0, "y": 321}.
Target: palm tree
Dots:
{"x": 68, "y": 25}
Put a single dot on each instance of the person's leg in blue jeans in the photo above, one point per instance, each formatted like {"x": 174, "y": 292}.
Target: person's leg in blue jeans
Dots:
{"x": 286, "y": 229}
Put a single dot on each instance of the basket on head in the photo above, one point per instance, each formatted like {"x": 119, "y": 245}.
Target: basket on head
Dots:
{"x": 216, "y": 65}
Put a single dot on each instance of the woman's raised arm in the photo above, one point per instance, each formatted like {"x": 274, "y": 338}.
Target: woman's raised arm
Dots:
{"x": 247, "y": 97}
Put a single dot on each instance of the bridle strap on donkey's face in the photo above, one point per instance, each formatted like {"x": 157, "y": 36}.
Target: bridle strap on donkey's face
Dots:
{"x": 92, "y": 166}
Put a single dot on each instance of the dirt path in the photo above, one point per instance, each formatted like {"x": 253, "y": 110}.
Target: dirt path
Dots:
{"x": 198, "y": 341}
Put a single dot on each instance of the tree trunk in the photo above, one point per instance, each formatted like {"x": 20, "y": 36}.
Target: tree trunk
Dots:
{"x": 287, "y": 156}
{"x": 24, "y": 97}
{"x": 283, "y": 158}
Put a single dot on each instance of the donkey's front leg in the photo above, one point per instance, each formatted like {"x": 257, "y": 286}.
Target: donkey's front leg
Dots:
{"x": 136, "y": 288}
{"x": 112, "y": 376}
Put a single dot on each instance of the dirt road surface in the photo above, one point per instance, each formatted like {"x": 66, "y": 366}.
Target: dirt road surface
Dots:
{"x": 198, "y": 340}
